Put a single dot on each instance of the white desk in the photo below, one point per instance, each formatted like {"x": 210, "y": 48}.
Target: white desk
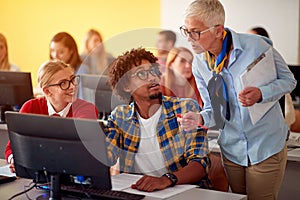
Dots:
{"x": 293, "y": 154}
{"x": 9, "y": 189}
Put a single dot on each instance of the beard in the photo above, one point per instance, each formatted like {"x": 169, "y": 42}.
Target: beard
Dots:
{"x": 155, "y": 96}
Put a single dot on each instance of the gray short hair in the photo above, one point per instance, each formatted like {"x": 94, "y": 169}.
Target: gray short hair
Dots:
{"x": 210, "y": 12}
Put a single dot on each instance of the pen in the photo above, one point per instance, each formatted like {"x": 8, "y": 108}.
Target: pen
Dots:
{"x": 200, "y": 125}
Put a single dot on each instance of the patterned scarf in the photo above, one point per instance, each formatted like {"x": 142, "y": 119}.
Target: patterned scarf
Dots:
{"x": 216, "y": 86}
{"x": 217, "y": 65}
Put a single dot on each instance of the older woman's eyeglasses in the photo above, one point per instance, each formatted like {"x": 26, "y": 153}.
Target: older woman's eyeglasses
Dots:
{"x": 143, "y": 74}
{"x": 65, "y": 84}
{"x": 195, "y": 35}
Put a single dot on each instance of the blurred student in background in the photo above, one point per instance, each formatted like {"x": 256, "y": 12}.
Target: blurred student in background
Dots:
{"x": 178, "y": 80}
{"x": 63, "y": 47}
{"x": 289, "y": 110}
{"x": 94, "y": 54}
{"x": 166, "y": 40}
{"x": 59, "y": 84}
{"x": 259, "y": 31}
{"x": 4, "y": 61}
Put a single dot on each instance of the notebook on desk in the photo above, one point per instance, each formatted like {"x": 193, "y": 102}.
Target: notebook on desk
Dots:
{"x": 63, "y": 151}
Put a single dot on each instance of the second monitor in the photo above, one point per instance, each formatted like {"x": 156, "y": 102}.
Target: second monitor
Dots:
{"x": 95, "y": 89}
{"x": 15, "y": 89}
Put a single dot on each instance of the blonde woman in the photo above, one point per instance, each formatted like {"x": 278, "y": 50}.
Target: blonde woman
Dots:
{"x": 4, "y": 62}
{"x": 178, "y": 80}
{"x": 94, "y": 54}
{"x": 59, "y": 85}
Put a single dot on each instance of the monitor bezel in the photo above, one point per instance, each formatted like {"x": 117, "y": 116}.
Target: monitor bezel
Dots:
{"x": 43, "y": 146}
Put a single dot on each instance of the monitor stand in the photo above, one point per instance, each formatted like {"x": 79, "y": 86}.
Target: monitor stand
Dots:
{"x": 54, "y": 189}
{"x": 3, "y": 109}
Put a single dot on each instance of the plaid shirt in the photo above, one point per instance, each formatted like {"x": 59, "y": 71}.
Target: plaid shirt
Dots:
{"x": 178, "y": 147}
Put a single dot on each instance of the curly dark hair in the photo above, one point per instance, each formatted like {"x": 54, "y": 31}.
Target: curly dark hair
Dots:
{"x": 124, "y": 63}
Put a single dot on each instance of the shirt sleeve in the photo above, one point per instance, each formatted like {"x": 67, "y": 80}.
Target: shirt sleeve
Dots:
{"x": 285, "y": 82}
{"x": 202, "y": 88}
{"x": 8, "y": 152}
{"x": 113, "y": 141}
{"x": 196, "y": 142}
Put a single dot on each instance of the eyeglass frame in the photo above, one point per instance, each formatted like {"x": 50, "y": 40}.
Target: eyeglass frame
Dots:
{"x": 150, "y": 70}
{"x": 183, "y": 30}
{"x": 72, "y": 80}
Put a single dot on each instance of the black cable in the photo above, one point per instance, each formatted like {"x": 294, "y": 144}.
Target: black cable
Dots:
{"x": 20, "y": 193}
{"x": 292, "y": 147}
{"x": 27, "y": 186}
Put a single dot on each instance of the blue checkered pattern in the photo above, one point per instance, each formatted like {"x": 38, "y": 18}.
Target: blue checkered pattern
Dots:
{"x": 178, "y": 146}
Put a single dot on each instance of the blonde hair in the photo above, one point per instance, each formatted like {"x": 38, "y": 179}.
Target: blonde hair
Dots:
{"x": 101, "y": 52}
{"x": 88, "y": 37}
{"x": 210, "y": 12}
{"x": 190, "y": 89}
{"x": 4, "y": 65}
{"x": 48, "y": 69}
{"x": 169, "y": 74}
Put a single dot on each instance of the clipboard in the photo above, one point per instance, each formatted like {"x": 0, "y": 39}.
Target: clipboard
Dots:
{"x": 260, "y": 72}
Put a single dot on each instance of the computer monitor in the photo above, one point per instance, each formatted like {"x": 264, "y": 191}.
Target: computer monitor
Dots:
{"x": 15, "y": 89}
{"x": 53, "y": 149}
{"x": 96, "y": 89}
{"x": 296, "y": 92}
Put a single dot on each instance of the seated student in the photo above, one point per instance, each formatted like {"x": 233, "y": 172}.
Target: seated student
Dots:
{"x": 145, "y": 135}
{"x": 5, "y": 65}
{"x": 94, "y": 54}
{"x": 178, "y": 80}
{"x": 59, "y": 85}
{"x": 63, "y": 47}
{"x": 166, "y": 40}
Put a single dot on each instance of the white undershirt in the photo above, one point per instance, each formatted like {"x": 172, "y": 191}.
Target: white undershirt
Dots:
{"x": 149, "y": 159}
{"x": 62, "y": 113}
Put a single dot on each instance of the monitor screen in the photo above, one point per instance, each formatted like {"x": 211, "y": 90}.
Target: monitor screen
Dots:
{"x": 15, "y": 89}
{"x": 96, "y": 89}
{"x": 45, "y": 146}
{"x": 296, "y": 92}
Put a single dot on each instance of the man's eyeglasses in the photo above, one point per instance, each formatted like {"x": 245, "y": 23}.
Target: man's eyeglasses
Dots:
{"x": 65, "y": 84}
{"x": 195, "y": 35}
{"x": 143, "y": 74}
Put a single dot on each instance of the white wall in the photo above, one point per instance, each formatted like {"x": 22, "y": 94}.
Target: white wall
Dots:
{"x": 280, "y": 18}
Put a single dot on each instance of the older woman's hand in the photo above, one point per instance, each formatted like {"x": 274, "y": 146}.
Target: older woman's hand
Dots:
{"x": 190, "y": 120}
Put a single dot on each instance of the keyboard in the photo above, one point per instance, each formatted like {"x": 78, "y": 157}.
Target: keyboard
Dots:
{"x": 93, "y": 193}
{"x": 294, "y": 140}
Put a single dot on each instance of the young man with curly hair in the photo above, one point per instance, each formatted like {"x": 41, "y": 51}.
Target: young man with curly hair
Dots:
{"x": 145, "y": 135}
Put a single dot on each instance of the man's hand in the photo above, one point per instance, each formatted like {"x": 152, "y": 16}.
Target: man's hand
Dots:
{"x": 150, "y": 183}
{"x": 250, "y": 96}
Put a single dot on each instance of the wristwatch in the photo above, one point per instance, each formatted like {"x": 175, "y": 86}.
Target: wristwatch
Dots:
{"x": 172, "y": 178}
